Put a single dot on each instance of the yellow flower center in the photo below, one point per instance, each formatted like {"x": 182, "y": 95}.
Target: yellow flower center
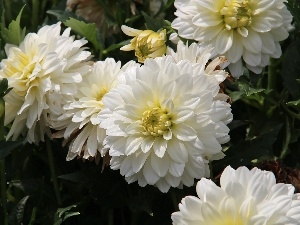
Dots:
{"x": 156, "y": 121}
{"x": 99, "y": 93}
{"x": 230, "y": 221}
{"x": 236, "y": 14}
{"x": 20, "y": 66}
{"x": 142, "y": 52}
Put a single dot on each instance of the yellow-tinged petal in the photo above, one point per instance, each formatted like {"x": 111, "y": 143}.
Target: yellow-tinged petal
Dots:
{"x": 130, "y": 31}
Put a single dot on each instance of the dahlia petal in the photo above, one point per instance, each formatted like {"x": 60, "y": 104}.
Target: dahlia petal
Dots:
{"x": 184, "y": 132}
{"x": 176, "y": 169}
{"x": 214, "y": 6}
{"x": 147, "y": 144}
{"x": 117, "y": 147}
{"x": 162, "y": 185}
{"x": 130, "y": 31}
{"x": 224, "y": 41}
{"x": 203, "y": 34}
{"x": 177, "y": 151}
{"x": 160, "y": 165}
{"x": 236, "y": 69}
{"x": 277, "y": 52}
{"x": 236, "y": 50}
{"x": 268, "y": 45}
{"x": 252, "y": 42}
{"x": 149, "y": 174}
{"x": 193, "y": 208}
{"x": 172, "y": 181}
{"x": 260, "y": 24}
{"x": 139, "y": 161}
{"x": 133, "y": 144}
{"x": 207, "y": 19}
{"x": 92, "y": 142}
{"x": 255, "y": 69}
{"x": 160, "y": 146}
{"x": 261, "y": 5}
{"x": 126, "y": 168}
{"x": 252, "y": 59}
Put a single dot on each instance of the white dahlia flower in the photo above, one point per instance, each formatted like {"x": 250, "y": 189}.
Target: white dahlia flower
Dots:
{"x": 43, "y": 71}
{"x": 196, "y": 53}
{"x": 164, "y": 125}
{"x": 244, "y": 198}
{"x": 248, "y": 29}
{"x": 79, "y": 120}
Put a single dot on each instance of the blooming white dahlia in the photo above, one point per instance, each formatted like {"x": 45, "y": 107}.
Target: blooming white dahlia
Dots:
{"x": 244, "y": 198}
{"x": 164, "y": 125}
{"x": 196, "y": 53}
{"x": 248, "y": 29}
{"x": 79, "y": 120}
{"x": 43, "y": 71}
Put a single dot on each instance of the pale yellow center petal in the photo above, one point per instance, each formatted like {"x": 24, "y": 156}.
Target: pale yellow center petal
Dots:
{"x": 156, "y": 121}
{"x": 236, "y": 13}
{"x": 229, "y": 220}
{"x": 20, "y": 66}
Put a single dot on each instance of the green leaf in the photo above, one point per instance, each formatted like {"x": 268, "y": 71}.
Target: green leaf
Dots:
{"x": 76, "y": 177}
{"x": 294, "y": 104}
{"x": 63, "y": 213}
{"x": 6, "y": 147}
{"x": 16, "y": 215}
{"x": 87, "y": 30}
{"x": 115, "y": 46}
{"x": 291, "y": 69}
{"x": 62, "y": 15}
{"x": 248, "y": 90}
{"x": 243, "y": 153}
{"x": 236, "y": 95}
{"x": 4, "y": 90}
{"x": 14, "y": 34}
{"x": 153, "y": 24}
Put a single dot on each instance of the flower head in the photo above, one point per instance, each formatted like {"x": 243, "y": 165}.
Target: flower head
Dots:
{"x": 248, "y": 29}
{"x": 146, "y": 43}
{"x": 164, "y": 125}
{"x": 43, "y": 71}
{"x": 203, "y": 56}
{"x": 79, "y": 120}
{"x": 244, "y": 198}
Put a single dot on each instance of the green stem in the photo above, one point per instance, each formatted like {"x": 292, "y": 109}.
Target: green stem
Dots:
{"x": 110, "y": 217}
{"x": 35, "y": 14}
{"x": 134, "y": 218}
{"x": 8, "y": 14}
{"x": 211, "y": 171}
{"x": 287, "y": 138}
{"x": 272, "y": 74}
{"x": 33, "y": 215}
{"x": 53, "y": 173}
{"x": 3, "y": 191}
{"x": 2, "y": 164}
{"x": 174, "y": 200}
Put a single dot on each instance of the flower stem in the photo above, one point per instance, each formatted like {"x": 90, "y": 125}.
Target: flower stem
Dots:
{"x": 7, "y": 6}
{"x": 110, "y": 217}
{"x": 3, "y": 191}
{"x": 53, "y": 173}
{"x": 211, "y": 171}
{"x": 2, "y": 165}
{"x": 35, "y": 14}
{"x": 174, "y": 200}
{"x": 272, "y": 75}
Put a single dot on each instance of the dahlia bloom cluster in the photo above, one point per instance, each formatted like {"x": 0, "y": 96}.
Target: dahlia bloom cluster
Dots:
{"x": 241, "y": 30}
{"x": 43, "y": 72}
{"x": 245, "y": 197}
{"x": 161, "y": 123}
